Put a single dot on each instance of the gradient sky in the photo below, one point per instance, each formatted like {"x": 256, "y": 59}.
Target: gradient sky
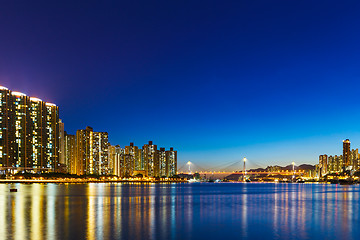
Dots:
{"x": 275, "y": 81}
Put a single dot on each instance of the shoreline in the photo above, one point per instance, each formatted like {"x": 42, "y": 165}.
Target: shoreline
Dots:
{"x": 86, "y": 181}
{"x": 62, "y": 181}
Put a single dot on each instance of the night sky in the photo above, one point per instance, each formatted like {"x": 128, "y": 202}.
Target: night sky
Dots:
{"x": 275, "y": 81}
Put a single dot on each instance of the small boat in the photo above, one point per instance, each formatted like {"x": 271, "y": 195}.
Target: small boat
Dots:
{"x": 13, "y": 190}
{"x": 193, "y": 180}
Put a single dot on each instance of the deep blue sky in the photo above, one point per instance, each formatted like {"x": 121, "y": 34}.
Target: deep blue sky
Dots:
{"x": 275, "y": 81}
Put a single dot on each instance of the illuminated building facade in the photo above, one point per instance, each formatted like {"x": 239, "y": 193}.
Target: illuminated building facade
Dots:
{"x": 151, "y": 160}
{"x": 354, "y": 159}
{"x": 33, "y": 139}
{"x": 346, "y": 153}
{"x": 91, "y": 152}
{"x": 133, "y": 160}
{"x": 37, "y": 113}
{"x": 148, "y": 161}
{"x": 350, "y": 160}
{"x": 335, "y": 164}
{"x": 323, "y": 164}
{"x": 62, "y": 153}
{"x": 339, "y": 163}
{"x": 84, "y": 154}
{"x": 5, "y": 141}
{"x": 29, "y": 133}
{"x": 128, "y": 163}
{"x": 167, "y": 162}
{"x": 163, "y": 164}
{"x": 116, "y": 160}
{"x": 139, "y": 160}
{"x": 20, "y": 130}
{"x": 171, "y": 159}
{"x": 70, "y": 152}
{"x": 52, "y": 136}
{"x": 100, "y": 153}
{"x": 331, "y": 164}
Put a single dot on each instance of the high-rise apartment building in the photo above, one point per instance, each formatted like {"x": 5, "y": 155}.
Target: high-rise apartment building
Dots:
{"x": 163, "y": 163}
{"x": 29, "y": 133}
{"x": 70, "y": 153}
{"x": 100, "y": 153}
{"x": 323, "y": 165}
{"x": 346, "y": 153}
{"x": 52, "y": 135}
{"x": 84, "y": 153}
{"x": 133, "y": 160}
{"x": 331, "y": 164}
{"x": 339, "y": 163}
{"x": 5, "y": 141}
{"x": 62, "y": 154}
{"x": 171, "y": 159}
{"x": 139, "y": 160}
{"x": 116, "y": 161}
{"x": 91, "y": 152}
{"x": 21, "y": 132}
{"x": 167, "y": 162}
{"x": 354, "y": 159}
{"x": 151, "y": 160}
{"x": 128, "y": 163}
{"x": 334, "y": 163}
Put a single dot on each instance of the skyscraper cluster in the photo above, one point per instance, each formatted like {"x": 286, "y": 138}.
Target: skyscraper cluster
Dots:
{"x": 147, "y": 161}
{"x": 29, "y": 133}
{"x": 90, "y": 152}
{"x": 349, "y": 160}
{"x": 32, "y": 139}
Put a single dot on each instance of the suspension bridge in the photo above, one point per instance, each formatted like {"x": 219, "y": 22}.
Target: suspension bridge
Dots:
{"x": 240, "y": 166}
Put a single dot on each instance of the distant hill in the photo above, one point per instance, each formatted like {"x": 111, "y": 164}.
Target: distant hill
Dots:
{"x": 288, "y": 167}
{"x": 235, "y": 176}
{"x": 307, "y": 167}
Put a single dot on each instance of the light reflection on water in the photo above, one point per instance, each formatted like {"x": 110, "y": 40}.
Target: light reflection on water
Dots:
{"x": 179, "y": 211}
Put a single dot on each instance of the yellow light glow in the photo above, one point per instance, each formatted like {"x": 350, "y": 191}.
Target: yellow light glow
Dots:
{"x": 34, "y": 99}
{"x": 3, "y": 88}
{"x": 51, "y": 104}
{"x": 18, "y": 94}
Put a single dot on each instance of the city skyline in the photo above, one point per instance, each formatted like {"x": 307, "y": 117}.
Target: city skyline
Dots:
{"x": 35, "y": 101}
{"x": 218, "y": 81}
{"x": 33, "y": 140}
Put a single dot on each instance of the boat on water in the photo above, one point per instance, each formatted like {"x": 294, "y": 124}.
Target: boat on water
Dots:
{"x": 193, "y": 180}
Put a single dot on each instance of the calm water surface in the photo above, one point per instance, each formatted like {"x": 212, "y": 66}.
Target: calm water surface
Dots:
{"x": 179, "y": 211}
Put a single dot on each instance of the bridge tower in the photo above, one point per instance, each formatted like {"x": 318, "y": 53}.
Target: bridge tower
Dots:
{"x": 244, "y": 172}
{"x": 293, "y": 168}
{"x": 189, "y": 164}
